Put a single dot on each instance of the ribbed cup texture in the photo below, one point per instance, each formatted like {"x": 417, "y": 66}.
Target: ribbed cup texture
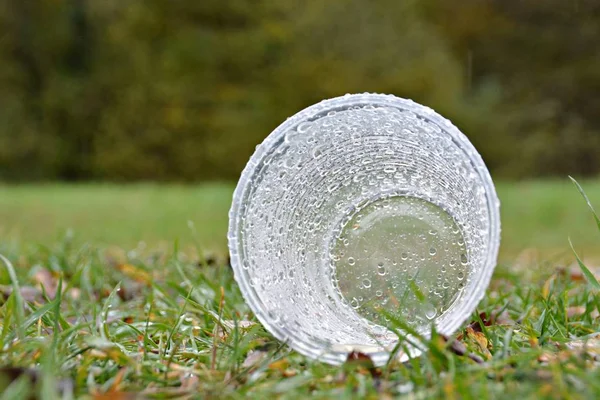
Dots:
{"x": 357, "y": 217}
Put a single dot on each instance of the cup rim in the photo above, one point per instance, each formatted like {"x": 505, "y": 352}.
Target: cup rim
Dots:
{"x": 311, "y": 113}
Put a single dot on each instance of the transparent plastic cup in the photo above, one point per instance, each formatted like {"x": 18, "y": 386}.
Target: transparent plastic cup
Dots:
{"x": 359, "y": 217}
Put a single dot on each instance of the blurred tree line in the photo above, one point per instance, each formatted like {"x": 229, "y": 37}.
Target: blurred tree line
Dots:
{"x": 185, "y": 89}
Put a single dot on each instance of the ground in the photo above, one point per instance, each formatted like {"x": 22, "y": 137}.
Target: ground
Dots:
{"x": 126, "y": 289}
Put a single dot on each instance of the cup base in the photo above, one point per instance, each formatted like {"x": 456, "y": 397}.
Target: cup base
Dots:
{"x": 399, "y": 258}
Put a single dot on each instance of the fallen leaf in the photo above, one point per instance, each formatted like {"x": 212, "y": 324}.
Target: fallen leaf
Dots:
{"x": 547, "y": 357}
{"x": 577, "y": 311}
{"x": 74, "y": 293}
{"x": 117, "y": 396}
{"x": 47, "y": 281}
{"x": 189, "y": 381}
{"x": 279, "y": 365}
{"x": 481, "y": 340}
{"x": 476, "y": 358}
{"x": 479, "y": 337}
{"x": 547, "y": 285}
{"x": 130, "y": 290}
{"x": 590, "y": 347}
{"x": 504, "y": 319}
{"x": 242, "y": 325}
{"x": 356, "y": 358}
{"x": 289, "y": 373}
{"x": 457, "y": 347}
{"x": 28, "y": 293}
{"x": 576, "y": 274}
{"x": 476, "y": 324}
{"x": 253, "y": 358}
{"x": 103, "y": 349}
{"x": 135, "y": 273}
{"x": 560, "y": 356}
{"x": 118, "y": 379}
{"x": 360, "y": 360}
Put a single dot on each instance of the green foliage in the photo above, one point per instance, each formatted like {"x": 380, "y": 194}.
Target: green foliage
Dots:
{"x": 589, "y": 276}
{"x": 158, "y": 324}
{"x": 184, "y": 90}
{"x": 537, "y": 217}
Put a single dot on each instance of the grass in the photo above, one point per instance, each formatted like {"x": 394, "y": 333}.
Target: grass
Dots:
{"x": 538, "y": 215}
{"x": 109, "y": 214}
{"x": 96, "y": 314}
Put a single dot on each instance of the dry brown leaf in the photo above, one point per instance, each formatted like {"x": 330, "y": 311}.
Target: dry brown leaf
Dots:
{"x": 476, "y": 324}
{"x": 74, "y": 293}
{"x": 47, "y": 281}
{"x": 118, "y": 379}
{"x": 130, "y": 290}
{"x": 481, "y": 340}
{"x": 590, "y": 347}
{"x": 360, "y": 360}
{"x": 288, "y": 373}
{"x": 189, "y": 381}
{"x": 253, "y": 358}
{"x": 504, "y": 319}
{"x": 135, "y": 273}
{"x": 28, "y": 293}
{"x": 575, "y": 273}
{"x": 547, "y": 357}
{"x": 547, "y": 285}
{"x": 243, "y": 326}
{"x": 279, "y": 365}
{"x": 476, "y": 358}
{"x": 479, "y": 337}
{"x": 577, "y": 311}
{"x": 117, "y": 396}
{"x": 458, "y": 347}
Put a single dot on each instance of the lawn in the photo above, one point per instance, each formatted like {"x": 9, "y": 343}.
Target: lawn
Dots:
{"x": 537, "y": 217}
{"x": 137, "y": 298}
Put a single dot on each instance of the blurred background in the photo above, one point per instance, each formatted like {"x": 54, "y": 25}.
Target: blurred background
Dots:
{"x": 183, "y": 90}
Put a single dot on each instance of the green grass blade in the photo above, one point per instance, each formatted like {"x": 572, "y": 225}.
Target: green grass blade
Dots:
{"x": 38, "y": 313}
{"x": 57, "y": 324}
{"x": 19, "y": 310}
{"x": 18, "y": 389}
{"x": 107, "y": 305}
{"x": 589, "y": 276}
{"x": 9, "y": 307}
{"x": 587, "y": 200}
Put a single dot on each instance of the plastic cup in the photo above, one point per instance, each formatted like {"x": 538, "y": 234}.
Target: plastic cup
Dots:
{"x": 359, "y": 220}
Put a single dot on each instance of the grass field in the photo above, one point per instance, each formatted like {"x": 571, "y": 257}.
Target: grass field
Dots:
{"x": 535, "y": 216}
{"x": 113, "y": 301}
